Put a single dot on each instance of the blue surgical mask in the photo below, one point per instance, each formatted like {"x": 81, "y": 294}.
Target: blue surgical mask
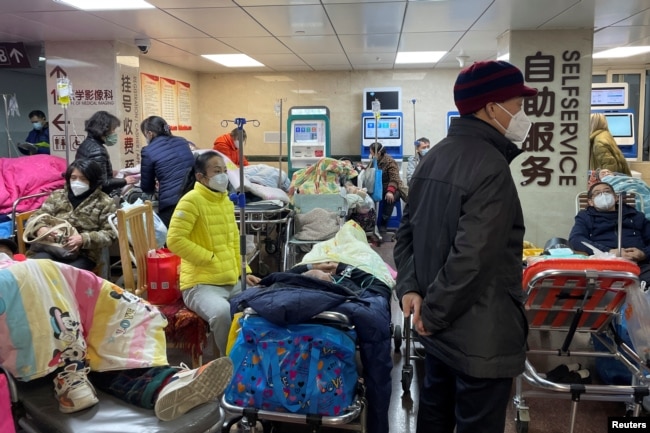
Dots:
{"x": 111, "y": 139}
{"x": 37, "y": 126}
{"x": 424, "y": 151}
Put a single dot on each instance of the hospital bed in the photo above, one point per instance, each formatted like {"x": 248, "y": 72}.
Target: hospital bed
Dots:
{"x": 569, "y": 297}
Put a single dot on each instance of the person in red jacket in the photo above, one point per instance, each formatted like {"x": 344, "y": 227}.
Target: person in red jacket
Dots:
{"x": 228, "y": 146}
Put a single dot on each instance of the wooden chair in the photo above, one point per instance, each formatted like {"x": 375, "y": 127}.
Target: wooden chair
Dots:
{"x": 629, "y": 198}
{"x": 19, "y": 223}
{"x": 136, "y": 237}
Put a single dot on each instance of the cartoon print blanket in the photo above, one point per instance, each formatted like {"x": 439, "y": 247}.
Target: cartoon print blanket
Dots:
{"x": 51, "y": 312}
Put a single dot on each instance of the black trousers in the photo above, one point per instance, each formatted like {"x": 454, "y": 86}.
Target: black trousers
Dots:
{"x": 387, "y": 209}
{"x": 451, "y": 399}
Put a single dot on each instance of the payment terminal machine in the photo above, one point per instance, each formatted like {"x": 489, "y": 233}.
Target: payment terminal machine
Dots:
{"x": 308, "y": 135}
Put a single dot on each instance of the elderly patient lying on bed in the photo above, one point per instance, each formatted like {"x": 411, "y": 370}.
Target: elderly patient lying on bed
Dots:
{"x": 57, "y": 319}
{"x": 342, "y": 274}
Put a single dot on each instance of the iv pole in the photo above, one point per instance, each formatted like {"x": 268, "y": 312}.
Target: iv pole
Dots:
{"x": 240, "y": 198}
{"x": 415, "y": 134}
{"x": 278, "y": 111}
{"x": 12, "y": 110}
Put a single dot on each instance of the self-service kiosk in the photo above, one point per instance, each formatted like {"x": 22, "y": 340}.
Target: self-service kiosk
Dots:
{"x": 611, "y": 99}
{"x": 388, "y": 130}
{"x": 382, "y": 120}
{"x": 308, "y": 136}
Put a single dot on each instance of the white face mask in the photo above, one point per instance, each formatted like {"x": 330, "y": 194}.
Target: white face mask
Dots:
{"x": 519, "y": 126}
{"x": 219, "y": 182}
{"x": 237, "y": 144}
{"x": 604, "y": 201}
{"x": 78, "y": 187}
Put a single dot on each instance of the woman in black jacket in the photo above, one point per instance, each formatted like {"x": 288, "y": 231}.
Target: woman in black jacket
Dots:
{"x": 167, "y": 159}
{"x": 100, "y": 129}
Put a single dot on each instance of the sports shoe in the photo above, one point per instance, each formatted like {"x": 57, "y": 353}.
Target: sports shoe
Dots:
{"x": 190, "y": 388}
{"x": 28, "y": 147}
{"x": 73, "y": 390}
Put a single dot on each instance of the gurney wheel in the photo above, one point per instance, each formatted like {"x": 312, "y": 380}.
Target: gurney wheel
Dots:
{"x": 397, "y": 336}
{"x": 270, "y": 246}
{"x": 234, "y": 426}
{"x": 407, "y": 378}
{"x": 523, "y": 419}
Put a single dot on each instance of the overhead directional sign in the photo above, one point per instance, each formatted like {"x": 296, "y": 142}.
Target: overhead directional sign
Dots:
{"x": 13, "y": 55}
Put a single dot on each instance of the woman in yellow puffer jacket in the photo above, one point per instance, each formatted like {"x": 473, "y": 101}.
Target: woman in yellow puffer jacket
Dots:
{"x": 204, "y": 233}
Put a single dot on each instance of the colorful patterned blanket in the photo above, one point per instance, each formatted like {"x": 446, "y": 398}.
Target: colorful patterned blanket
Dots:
{"x": 50, "y": 312}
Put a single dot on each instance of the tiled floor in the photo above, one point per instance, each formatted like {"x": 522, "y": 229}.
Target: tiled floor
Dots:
{"x": 546, "y": 415}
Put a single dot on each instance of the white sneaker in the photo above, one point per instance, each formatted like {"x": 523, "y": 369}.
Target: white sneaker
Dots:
{"x": 73, "y": 390}
{"x": 190, "y": 388}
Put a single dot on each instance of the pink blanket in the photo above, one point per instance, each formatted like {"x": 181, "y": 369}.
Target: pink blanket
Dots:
{"x": 29, "y": 175}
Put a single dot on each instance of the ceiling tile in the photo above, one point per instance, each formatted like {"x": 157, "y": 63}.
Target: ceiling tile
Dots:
{"x": 372, "y": 43}
{"x": 312, "y": 44}
{"x": 366, "y": 18}
{"x": 432, "y": 41}
{"x": 200, "y": 46}
{"x": 318, "y": 60}
{"x": 221, "y": 22}
{"x": 153, "y": 23}
{"x": 292, "y": 20}
{"x": 443, "y": 16}
{"x": 257, "y": 45}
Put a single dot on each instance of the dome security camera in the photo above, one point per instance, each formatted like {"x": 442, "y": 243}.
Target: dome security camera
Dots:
{"x": 143, "y": 45}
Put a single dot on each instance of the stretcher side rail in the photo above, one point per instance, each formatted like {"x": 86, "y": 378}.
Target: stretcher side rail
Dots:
{"x": 579, "y": 296}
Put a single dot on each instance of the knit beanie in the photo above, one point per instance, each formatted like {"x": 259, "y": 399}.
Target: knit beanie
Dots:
{"x": 489, "y": 81}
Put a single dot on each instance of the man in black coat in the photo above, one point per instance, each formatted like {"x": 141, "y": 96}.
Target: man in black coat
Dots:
{"x": 458, "y": 256}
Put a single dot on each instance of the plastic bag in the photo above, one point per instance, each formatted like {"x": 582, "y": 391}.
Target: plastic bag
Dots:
{"x": 304, "y": 368}
{"x": 163, "y": 269}
{"x": 158, "y": 225}
{"x": 637, "y": 315}
{"x": 53, "y": 240}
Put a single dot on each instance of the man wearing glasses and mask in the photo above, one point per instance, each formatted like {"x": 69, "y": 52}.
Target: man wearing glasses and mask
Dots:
{"x": 597, "y": 225}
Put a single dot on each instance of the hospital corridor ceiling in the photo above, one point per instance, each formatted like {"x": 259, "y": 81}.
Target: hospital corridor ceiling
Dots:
{"x": 328, "y": 35}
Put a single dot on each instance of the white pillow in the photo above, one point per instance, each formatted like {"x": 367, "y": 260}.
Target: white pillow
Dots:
{"x": 267, "y": 192}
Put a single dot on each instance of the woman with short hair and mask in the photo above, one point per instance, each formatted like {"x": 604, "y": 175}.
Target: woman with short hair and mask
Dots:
{"x": 204, "y": 233}
{"x": 167, "y": 159}
{"x": 87, "y": 208}
{"x": 101, "y": 129}
{"x": 422, "y": 146}
{"x": 597, "y": 225}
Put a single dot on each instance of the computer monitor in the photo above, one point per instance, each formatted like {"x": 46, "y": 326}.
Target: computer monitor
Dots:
{"x": 609, "y": 96}
{"x": 388, "y": 128}
{"x": 621, "y": 125}
{"x": 390, "y": 98}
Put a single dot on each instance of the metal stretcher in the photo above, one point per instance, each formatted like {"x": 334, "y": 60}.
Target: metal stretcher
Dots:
{"x": 249, "y": 419}
{"x": 572, "y": 296}
{"x": 260, "y": 220}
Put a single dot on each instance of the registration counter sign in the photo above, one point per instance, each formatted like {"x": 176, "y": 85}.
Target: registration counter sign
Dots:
{"x": 621, "y": 424}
